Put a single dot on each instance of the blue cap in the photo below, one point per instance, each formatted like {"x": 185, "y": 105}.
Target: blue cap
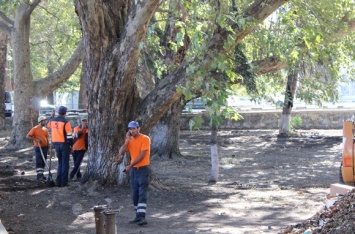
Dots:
{"x": 62, "y": 110}
{"x": 133, "y": 124}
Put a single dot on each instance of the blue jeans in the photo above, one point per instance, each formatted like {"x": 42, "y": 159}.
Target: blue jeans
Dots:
{"x": 139, "y": 188}
{"x": 63, "y": 153}
{"x": 39, "y": 160}
{"x": 78, "y": 156}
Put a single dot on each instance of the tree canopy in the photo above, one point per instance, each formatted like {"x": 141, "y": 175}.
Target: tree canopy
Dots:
{"x": 314, "y": 37}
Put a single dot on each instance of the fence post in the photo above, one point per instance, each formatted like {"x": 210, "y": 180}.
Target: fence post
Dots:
{"x": 110, "y": 217}
{"x": 99, "y": 219}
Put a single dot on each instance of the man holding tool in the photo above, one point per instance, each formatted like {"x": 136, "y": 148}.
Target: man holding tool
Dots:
{"x": 39, "y": 134}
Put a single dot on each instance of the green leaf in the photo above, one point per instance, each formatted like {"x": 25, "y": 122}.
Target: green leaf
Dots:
{"x": 173, "y": 46}
{"x": 294, "y": 54}
{"x": 241, "y": 23}
{"x": 180, "y": 39}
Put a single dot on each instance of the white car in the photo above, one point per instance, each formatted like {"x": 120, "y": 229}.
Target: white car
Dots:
{"x": 8, "y": 104}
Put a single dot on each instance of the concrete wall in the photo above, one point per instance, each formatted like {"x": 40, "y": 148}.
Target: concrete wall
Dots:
{"x": 311, "y": 119}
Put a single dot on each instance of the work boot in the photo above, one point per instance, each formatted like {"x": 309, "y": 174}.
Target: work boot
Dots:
{"x": 136, "y": 220}
{"x": 41, "y": 177}
{"x": 142, "y": 222}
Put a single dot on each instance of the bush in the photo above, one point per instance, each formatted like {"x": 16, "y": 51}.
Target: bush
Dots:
{"x": 295, "y": 122}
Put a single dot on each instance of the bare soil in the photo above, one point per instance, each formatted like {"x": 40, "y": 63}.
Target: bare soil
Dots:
{"x": 265, "y": 183}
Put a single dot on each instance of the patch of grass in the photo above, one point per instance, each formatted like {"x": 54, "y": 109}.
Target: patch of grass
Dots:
{"x": 295, "y": 122}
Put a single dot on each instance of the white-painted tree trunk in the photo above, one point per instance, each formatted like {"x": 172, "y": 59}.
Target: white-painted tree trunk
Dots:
{"x": 214, "y": 155}
{"x": 284, "y": 124}
{"x": 214, "y": 164}
{"x": 284, "y": 128}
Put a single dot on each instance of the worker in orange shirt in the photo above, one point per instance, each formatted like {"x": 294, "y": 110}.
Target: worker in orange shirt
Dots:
{"x": 138, "y": 146}
{"x": 62, "y": 140}
{"x": 79, "y": 148}
{"x": 39, "y": 134}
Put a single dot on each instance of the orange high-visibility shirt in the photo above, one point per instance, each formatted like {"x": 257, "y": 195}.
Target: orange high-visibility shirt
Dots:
{"x": 136, "y": 145}
{"x": 61, "y": 129}
{"x": 40, "y": 133}
{"x": 79, "y": 144}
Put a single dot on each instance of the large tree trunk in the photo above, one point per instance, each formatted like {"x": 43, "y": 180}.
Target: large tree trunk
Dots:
{"x": 165, "y": 134}
{"x": 288, "y": 103}
{"x": 3, "y": 49}
{"x": 112, "y": 51}
{"x": 83, "y": 97}
{"x": 24, "y": 100}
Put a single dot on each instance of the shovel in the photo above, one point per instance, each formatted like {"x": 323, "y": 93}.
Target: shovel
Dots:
{"x": 50, "y": 180}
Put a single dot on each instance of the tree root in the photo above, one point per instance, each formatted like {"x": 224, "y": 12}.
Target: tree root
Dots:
{"x": 157, "y": 184}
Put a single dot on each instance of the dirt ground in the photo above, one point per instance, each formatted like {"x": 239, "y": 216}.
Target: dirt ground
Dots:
{"x": 265, "y": 184}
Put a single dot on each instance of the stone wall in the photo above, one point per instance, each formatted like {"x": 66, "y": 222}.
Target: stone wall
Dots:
{"x": 311, "y": 119}
{"x": 257, "y": 119}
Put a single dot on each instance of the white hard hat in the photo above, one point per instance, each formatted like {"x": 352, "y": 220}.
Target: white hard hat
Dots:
{"x": 41, "y": 118}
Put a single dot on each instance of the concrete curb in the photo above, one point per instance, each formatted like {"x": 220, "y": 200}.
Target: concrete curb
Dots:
{"x": 339, "y": 189}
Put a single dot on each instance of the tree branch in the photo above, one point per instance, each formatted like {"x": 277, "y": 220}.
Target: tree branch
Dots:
{"x": 253, "y": 15}
{"x": 54, "y": 80}
{"x": 269, "y": 64}
{"x": 158, "y": 101}
{"x": 257, "y": 12}
{"x": 161, "y": 98}
{"x": 5, "y": 28}
{"x": 350, "y": 24}
{"x": 137, "y": 22}
{"x": 33, "y": 5}
{"x": 6, "y": 19}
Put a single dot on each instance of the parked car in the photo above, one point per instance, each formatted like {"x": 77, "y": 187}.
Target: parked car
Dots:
{"x": 8, "y": 104}
{"x": 194, "y": 105}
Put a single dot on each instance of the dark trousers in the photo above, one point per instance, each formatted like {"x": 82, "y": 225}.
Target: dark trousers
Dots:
{"x": 78, "y": 156}
{"x": 63, "y": 153}
{"x": 39, "y": 160}
{"x": 139, "y": 188}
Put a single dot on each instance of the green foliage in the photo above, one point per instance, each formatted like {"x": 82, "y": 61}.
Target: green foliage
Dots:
{"x": 8, "y": 6}
{"x": 195, "y": 123}
{"x": 295, "y": 122}
{"x": 303, "y": 34}
{"x": 306, "y": 35}
{"x": 55, "y": 33}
